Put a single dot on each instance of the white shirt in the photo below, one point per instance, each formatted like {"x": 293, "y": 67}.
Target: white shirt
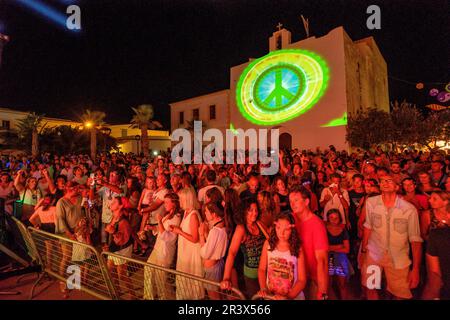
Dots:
{"x": 391, "y": 230}
{"x": 202, "y": 192}
{"x": 334, "y": 203}
{"x": 158, "y": 195}
{"x": 216, "y": 244}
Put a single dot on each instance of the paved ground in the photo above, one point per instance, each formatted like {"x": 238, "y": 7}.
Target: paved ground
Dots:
{"x": 48, "y": 289}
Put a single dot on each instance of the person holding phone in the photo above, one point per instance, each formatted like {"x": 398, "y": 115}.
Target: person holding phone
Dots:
{"x": 335, "y": 197}
{"x": 107, "y": 190}
{"x": 155, "y": 207}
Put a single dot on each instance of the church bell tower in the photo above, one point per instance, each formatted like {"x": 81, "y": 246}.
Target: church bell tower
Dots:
{"x": 280, "y": 39}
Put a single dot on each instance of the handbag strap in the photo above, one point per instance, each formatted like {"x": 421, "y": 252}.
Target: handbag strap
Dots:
{"x": 24, "y": 193}
{"x": 263, "y": 230}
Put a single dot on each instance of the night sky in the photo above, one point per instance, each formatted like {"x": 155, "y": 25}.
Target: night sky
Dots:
{"x": 131, "y": 52}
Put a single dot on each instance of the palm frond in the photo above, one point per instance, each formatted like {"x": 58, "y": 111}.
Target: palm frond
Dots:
{"x": 143, "y": 115}
{"x": 96, "y": 117}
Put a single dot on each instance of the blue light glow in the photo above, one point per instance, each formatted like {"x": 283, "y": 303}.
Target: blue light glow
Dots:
{"x": 46, "y": 12}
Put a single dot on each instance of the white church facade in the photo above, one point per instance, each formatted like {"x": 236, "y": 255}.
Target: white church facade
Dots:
{"x": 306, "y": 89}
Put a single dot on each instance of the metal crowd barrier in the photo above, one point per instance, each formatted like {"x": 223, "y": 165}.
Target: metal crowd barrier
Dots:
{"x": 112, "y": 276}
{"x": 23, "y": 240}
{"x": 272, "y": 297}
{"x": 66, "y": 259}
{"x": 138, "y": 280}
{"x": 266, "y": 297}
{"x": 30, "y": 246}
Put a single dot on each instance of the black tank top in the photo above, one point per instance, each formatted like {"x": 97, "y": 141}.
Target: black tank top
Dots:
{"x": 284, "y": 202}
{"x": 252, "y": 248}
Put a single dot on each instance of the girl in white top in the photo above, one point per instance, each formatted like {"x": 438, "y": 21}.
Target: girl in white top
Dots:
{"x": 213, "y": 242}
{"x": 163, "y": 253}
{"x": 282, "y": 271}
{"x": 44, "y": 216}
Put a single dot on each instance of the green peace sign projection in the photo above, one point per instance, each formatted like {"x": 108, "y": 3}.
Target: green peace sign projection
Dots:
{"x": 281, "y": 86}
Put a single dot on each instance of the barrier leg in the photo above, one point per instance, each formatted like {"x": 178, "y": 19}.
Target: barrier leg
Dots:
{"x": 40, "y": 277}
{"x": 10, "y": 293}
{"x": 123, "y": 278}
{"x": 22, "y": 277}
{"x": 66, "y": 256}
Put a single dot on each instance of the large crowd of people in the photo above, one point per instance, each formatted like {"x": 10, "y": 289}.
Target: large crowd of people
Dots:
{"x": 319, "y": 229}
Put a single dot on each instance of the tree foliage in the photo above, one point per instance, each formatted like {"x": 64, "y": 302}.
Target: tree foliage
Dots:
{"x": 404, "y": 126}
{"x": 366, "y": 128}
{"x": 93, "y": 120}
{"x": 25, "y": 135}
{"x": 143, "y": 116}
{"x": 143, "y": 119}
{"x": 60, "y": 140}
{"x": 96, "y": 118}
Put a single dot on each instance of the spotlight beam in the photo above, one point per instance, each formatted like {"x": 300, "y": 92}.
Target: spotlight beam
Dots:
{"x": 45, "y": 11}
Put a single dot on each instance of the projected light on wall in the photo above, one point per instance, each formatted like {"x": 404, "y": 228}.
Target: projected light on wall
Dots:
{"x": 342, "y": 121}
{"x": 281, "y": 86}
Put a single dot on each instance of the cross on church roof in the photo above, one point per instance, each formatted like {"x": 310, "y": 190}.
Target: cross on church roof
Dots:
{"x": 279, "y": 26}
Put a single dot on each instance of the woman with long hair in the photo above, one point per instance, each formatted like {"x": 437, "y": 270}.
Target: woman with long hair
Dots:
{"x": 426, "y": 185}
{"x": 436, "y": 217}
{"x": 249, "y": 237}
{"x": 282, "y": 270}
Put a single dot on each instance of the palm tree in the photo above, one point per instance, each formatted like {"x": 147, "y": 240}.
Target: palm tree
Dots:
{"x": 143, "y": 119}
{"x": 31, "y": 125}
{"x": 92, "y": 120}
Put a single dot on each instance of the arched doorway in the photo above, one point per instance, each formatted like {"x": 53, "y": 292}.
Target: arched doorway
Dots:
{"x": 285, "y": 141}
